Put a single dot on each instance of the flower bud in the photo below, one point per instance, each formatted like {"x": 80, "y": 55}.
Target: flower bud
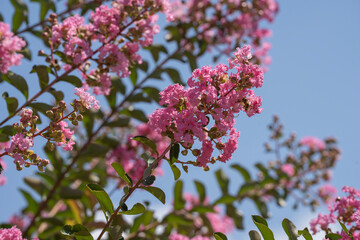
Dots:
{"x": 79, "y": 117}
{"x": 27, "y": 164}
{"x": 50, "y": 146}
{"x": 49, "y": 113}
{"x": 62, "y": 105}
{"x": 184, "y": 152}
{"x": 196, "y": 152}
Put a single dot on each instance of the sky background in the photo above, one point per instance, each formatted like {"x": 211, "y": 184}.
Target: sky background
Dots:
{"x": 312, "y": 85}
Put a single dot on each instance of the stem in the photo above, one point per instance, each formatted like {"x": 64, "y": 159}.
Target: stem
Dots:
{"x": 29, "y": 28}
{"x": 67, "y": 72}
{"x": 131, "y": 191}
{"x": 44, "y": 203}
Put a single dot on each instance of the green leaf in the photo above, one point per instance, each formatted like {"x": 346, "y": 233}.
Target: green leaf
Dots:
{"x": 121, "y": 172}
{"x": 174, "y": 75}
{"x": 263, "y": 169}
{"x": 290, "y": 229}
{"x": 133, "y": 76}
{"x": 36, "y": 184}
{"x": 4, "y": 137}
{"x": 70, "y": 193}
{"x": 18, "y": 19}
{"x": 332, "y": 236}
{"x": 305, "y": 233}
{"x": 41, "y": 107}
{"x": 32, "y": 205}
{"x": 179, "y": 202}
{"x": 11, "y": 103}
{"x": 94, "y": 150}
{"x": 58, "y": 95}
{"x": 236, "y": 215}
{"x": 136, "y": 209}
{"x": 152, "y": 93}
{"x": 72, "y": 80}
{"x": 18, "y": 82}
{"x": 79, "y": 231}
{"x": 135, "y": 113}
{"x": 43, "y": 74}
{"x": 103, "y": 198}
{"x": 120, "y": 122}
{"x": 345, "y": 229}
{"x": 201, "y": 190}
{"x": 175, "y": 170}
{"x": 262, "y": 225}
{"x": 147, "y": 142}
{"x": 203, "y": 209}
{"x": 157, "y": 192}
{"x": 225, "y": 199}
{"x": 223, "y": 180}
{"x": 27, "y": 53}
{"x": 174, "y": 153}
{"x": 243, "y": 171}
{"x": 139, "y": 97}
{"x": 220, "y": 236}
{"x": 262, "y": 207}
{"x": 155, "y": 49}
{"x": 254, "y": 235}
{"x": 192, "y": 60}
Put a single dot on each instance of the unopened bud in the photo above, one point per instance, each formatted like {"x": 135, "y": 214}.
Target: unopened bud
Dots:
{"x": 27, "y": 164}
{"x": 50, "y": 146}
{"x": 49, "y": 113}
{"x": 196, "y": 152}
{"x": 184, "y": 152}
{"x": 206, "y": 168}
{"x": 220, "y": 145}
{"x": 44, "y": 162}
{"x": 62, "y": 105}
{"x": 79, "y": 117}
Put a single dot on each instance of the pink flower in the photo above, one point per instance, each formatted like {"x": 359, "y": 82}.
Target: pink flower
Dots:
{"x": 19, "y": 142}
{"x": 11, "y": 234}
{"x": 214, "y": 96}
{"x": 327, "y": 192}
{"x": 86, "y": 99}
{"x": 65, "y": 141}
{"x": 9, "y": 45}
{"x": 313, "y": 142}
{"x": 288, "y": 169}
{"x": 175, "y": 236}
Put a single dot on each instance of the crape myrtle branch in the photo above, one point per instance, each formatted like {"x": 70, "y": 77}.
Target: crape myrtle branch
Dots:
{"x": 69, "y": 10}
{"x": 61, "y": 177}
{"x": 57, "y": 79}
{"x": 131, "y": 190}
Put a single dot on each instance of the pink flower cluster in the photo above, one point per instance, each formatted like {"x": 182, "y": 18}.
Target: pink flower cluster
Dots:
{"x": 176, "y": 236}
{"x": 288, "y": 169}
{"x": 327, "y": 192}
{"x": 229, "y": 22}
{"x": 345, "y": 209}
{"x": 9, "y": 46}
{"x": 120, "y": 30}
{"x": 3, "y": 145}
{"x": 219, "y": 223}
{"x": 206, "y": 110}
{"x": 66, "y": 141}
{"x": 128, "y": 154}
{"x": 20, "y": 143}
{"x": 12, "y": 234}
{"x": 88, "y": 101}
{"x": 313, "y": 143}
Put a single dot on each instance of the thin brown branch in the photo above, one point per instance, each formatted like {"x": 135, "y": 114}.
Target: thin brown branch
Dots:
{"x": 131, "y": 191}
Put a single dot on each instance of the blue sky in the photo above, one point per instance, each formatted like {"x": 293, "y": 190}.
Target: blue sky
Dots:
{"x": 312, "y": 84}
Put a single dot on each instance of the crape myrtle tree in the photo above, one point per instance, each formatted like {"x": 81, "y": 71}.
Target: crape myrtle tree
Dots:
{"x": 98, "y": 48}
